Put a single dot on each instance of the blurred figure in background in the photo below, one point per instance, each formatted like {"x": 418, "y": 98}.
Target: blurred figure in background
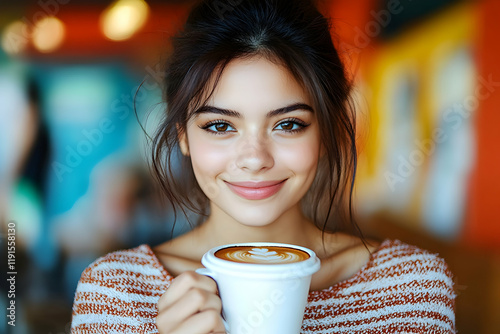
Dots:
{"x": 24, "y": 152}
{"x": 24, "y": 156}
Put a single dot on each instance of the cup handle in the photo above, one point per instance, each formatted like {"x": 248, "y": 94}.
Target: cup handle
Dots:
{"x": 207, "y": 272}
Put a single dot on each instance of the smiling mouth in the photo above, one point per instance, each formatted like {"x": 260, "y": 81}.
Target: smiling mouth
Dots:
{"x": 255, "y": 190}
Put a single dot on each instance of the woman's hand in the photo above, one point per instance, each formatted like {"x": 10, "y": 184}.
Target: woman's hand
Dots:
{"x": 190, "y": 305}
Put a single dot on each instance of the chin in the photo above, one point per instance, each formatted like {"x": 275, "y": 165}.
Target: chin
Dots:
{"x": 256, "y": 219}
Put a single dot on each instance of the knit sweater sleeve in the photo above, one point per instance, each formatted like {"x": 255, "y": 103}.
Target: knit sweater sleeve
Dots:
{"x": 118, "y": 293}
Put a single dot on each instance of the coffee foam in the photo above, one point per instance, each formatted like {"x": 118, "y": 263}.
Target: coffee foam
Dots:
{"x": 262, "y": 255}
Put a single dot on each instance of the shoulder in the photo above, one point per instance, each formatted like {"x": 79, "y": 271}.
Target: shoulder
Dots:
{"x": 410, "y": 276}
{"x": 400, "y": 260}
{"x": 402, "y": 286}
{"x": 119, "y": 290}
{"x": 137, "y": 262}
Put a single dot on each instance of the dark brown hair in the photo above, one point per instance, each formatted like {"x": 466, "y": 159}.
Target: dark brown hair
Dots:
{"x": 292, "y": 33}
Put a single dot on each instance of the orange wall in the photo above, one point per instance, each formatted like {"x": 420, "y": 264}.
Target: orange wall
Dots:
{"x": 482, "y": 227}
{"x": 348, "y": 18}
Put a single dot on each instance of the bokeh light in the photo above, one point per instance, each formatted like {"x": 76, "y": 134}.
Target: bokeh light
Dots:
{"x": 15, "y": 38}
{"x": 123, "y": 18}
{"x": 48, "y": 34}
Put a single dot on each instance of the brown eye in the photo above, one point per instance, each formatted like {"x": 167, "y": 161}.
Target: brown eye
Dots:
{"x": 218, "y": 127}
{"x": 291, "y": 126}
{"x": 286, "y": 126}
{"x": 221, "y": 127}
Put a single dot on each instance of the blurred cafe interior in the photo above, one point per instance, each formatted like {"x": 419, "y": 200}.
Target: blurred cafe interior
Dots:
{"x": 80, "y": 94}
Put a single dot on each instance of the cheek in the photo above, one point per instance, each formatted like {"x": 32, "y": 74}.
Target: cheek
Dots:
{"x": 208, "y": 160}
{"x": 302, "y": 158}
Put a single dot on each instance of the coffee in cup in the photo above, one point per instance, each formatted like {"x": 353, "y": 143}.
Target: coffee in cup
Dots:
{"x": 263, "y": 286}
{"x": 262, "y": 255}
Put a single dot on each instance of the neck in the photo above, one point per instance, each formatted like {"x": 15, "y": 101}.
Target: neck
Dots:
{"x": 292, "y": 228}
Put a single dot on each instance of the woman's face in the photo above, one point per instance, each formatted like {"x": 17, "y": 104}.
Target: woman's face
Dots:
{"x": 255, "y": 145}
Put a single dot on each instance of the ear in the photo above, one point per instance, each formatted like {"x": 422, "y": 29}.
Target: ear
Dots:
{"x": 183, "y": 142}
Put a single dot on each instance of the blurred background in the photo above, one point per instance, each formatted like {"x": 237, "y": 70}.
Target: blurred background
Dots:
{"x": 74, "y": 179}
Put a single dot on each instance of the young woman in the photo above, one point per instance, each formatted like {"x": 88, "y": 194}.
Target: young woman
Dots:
{"x": 259, "y": 117}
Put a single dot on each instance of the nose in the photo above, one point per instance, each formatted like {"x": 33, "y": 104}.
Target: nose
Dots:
{"x": 254, "y": 155}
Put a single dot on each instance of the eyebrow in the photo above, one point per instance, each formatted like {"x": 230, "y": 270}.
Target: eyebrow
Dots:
{"x": 232, "y": 113}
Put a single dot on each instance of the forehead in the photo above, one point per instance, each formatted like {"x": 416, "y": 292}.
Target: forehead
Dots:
{"x": 256, "y": 84}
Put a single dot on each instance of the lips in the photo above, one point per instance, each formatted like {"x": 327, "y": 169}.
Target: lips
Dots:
{"x": 255, "y": 190}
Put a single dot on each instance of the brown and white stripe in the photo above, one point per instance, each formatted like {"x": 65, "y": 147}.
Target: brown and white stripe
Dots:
{"x": 402, "y": 289}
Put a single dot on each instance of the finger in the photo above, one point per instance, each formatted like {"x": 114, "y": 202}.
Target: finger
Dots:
{"x": 182, "y": 284}
{"x": 194, "y": 301}
{"x": 208, "y": 321}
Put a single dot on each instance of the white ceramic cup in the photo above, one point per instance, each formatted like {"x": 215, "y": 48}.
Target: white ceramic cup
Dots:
{"x": 261, "y": 298}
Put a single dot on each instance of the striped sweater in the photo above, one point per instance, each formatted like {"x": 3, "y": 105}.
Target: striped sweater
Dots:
{"x": 402, "y": 289}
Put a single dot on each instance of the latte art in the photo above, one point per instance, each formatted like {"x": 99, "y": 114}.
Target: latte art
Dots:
{"x": 262, "y": 255}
